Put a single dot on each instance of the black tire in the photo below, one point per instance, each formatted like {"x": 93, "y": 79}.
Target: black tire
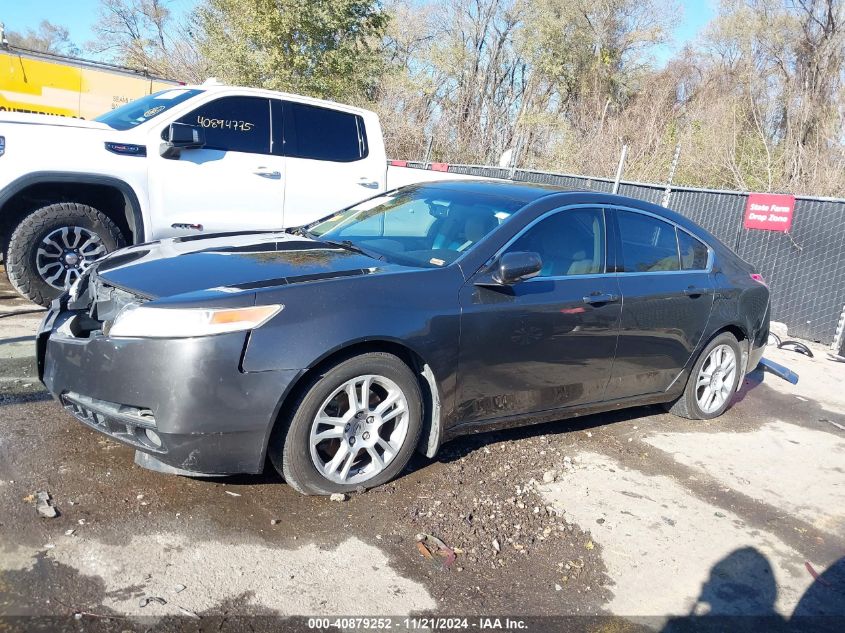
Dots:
{"x": 687, "y": 405}
{"x": 21, "y": 255}
{"x": 289, "y": 448}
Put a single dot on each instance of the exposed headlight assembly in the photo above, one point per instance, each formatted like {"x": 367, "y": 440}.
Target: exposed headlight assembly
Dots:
{"x": 139, "y": 321}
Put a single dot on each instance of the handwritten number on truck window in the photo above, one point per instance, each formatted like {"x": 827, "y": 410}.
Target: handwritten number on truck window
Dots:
{"x": 229, "y": 124}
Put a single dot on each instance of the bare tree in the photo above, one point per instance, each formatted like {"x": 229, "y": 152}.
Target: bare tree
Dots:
{"x": 146, "y": 34}
{"x": 48, "y": 38}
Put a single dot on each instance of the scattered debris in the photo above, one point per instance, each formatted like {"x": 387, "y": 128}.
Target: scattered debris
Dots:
{"x": 275, "y": 521}
{"x": 431, "y": 546}
{"x": 69, "y": 532}
{"x": 139, "y": 497}
{"x": 234, "y": 494}
{"x": 795, "y": 346}
{"x": 549, "y": 476}
{"x": 836, "y": 424}
{"x": 179, "y": 588}
{"x": 148, "y": 599}
{"x": 558, "y": 587}
{"x": 496, "y": 545}
{"x": 589, "y": 545}
{"x": 815, "y": 574}
{"x": 339, "y": 496}
{"x": 44, "y": 506}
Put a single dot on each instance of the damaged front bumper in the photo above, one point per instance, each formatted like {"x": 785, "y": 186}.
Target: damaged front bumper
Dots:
{"x": 184, "y": 403}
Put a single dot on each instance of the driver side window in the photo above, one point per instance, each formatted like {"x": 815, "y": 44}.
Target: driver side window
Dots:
{"x": 570, "y": 242}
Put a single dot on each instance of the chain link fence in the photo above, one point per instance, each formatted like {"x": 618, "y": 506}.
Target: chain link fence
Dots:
{"x": 805, "y": 269}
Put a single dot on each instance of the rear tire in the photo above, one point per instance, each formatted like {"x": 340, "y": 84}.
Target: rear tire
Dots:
{"x": 42, "y": 258}
{"x": 338, "y": 440}
{"x": 712, "y": 382}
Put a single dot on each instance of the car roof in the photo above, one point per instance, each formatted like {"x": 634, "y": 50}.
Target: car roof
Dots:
{"x": 517, "y": 191}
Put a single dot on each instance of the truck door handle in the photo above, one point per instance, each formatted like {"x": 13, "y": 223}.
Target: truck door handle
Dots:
{"x": 186, "y": 226}
{"x": 266, "y": 173}
{"x": 369, "y": 184}
{"x": 692, "y": 291}
{"x": 600, "y": 297}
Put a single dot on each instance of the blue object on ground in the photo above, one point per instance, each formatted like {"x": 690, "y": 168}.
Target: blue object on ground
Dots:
{"x": 779, "y": 370}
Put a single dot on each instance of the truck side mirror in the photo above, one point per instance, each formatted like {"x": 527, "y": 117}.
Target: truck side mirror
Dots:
{"x": 181, "y": 136}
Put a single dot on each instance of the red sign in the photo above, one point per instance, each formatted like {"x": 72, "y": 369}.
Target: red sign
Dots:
{"x": 768, "y": 211}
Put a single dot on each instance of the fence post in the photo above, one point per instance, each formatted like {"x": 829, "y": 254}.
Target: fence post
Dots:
{"x": 515, "y": 157}
{"x": 668, "y": 191}
{"x": 428, "y": 151}
{"x": 836, "y": 347}
{"x": 620, "y": 168}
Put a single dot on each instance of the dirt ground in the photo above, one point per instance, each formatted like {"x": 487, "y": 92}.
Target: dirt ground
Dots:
{"x": 638, "y": 517}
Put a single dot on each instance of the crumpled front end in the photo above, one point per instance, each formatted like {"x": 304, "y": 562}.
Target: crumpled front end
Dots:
{"x": 183, "y": 401}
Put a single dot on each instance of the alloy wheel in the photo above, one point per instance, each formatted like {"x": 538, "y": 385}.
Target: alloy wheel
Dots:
{"x": 67, "y": 252}
{"x": 715, "y": 379}
{"x": 359, "y": 429}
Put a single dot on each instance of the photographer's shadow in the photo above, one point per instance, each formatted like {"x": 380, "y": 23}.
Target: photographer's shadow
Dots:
{"x": 741, "y": 593}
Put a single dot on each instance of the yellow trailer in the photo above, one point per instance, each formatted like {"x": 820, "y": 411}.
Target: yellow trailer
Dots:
{"x": 44, "y": 83}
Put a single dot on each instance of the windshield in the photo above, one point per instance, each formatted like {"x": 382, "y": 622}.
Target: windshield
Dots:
{"x": 425, "y": 226}
{"x": 142, "y": 110}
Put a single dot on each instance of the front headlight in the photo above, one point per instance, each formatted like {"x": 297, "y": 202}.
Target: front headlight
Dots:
{"x": 149, "y": 322}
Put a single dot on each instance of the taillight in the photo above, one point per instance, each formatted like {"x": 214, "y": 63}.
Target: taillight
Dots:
{"x": 759, "y": 279}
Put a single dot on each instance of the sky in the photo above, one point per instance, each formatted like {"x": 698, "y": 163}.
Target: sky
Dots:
{"x": 79, "y": 15}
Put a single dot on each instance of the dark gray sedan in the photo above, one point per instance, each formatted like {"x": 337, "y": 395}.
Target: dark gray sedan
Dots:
{"x": 436, "y": 310}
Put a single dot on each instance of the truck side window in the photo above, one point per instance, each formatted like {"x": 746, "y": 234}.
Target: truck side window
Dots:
{"x": 234, "y": 124}
{"x": 323, "y": 134}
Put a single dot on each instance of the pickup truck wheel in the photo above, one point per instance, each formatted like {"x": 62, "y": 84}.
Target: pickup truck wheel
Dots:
{"x": 356, "y": 424}
{"x": 53, "y": 246}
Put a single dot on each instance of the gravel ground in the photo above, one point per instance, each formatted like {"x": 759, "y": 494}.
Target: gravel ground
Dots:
{"x": 536, "y": 516}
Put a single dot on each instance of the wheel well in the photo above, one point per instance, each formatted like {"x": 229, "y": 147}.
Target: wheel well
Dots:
{"x": 733, "y": 329}
{"x": 740, "y": 336}
{"x": 430, "y": 436}
{"x": 105, "y": 198}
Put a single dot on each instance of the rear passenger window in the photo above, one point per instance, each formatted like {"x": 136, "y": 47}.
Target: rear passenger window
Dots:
{"x": 648, "y": 244}
{"x": 234, "y": 124}
{"x": 323, "y": 134}
{"x": 693, "y": 252}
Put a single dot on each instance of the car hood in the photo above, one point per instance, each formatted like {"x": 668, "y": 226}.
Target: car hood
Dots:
{"x": 197, "y": 268}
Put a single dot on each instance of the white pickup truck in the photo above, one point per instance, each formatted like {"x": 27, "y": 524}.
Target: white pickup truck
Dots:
{"x": 188, "y": 160}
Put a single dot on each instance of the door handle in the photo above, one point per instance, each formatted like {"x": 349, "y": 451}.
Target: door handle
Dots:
{"x": 692, "y": 291}
{"x": 266, "y": 173}
{"x": 369, "y": 184}
{"x": 186, "y": 226}
{"x": 600, "y": 297}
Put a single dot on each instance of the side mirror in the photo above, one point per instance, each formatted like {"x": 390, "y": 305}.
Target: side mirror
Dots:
{"x": 517, "y": 266}
{"x": 181, "y": 136}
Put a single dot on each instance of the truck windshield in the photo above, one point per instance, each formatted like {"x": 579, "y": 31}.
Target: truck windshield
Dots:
{"x": 142, "y": 110}
{"x": 424, "y": 226}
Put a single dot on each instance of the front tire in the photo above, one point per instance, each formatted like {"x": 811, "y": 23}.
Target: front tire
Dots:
{"x": 712, "y": 381}
{"x": 356, "y": 424}
{"x": 54, "y": 245}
